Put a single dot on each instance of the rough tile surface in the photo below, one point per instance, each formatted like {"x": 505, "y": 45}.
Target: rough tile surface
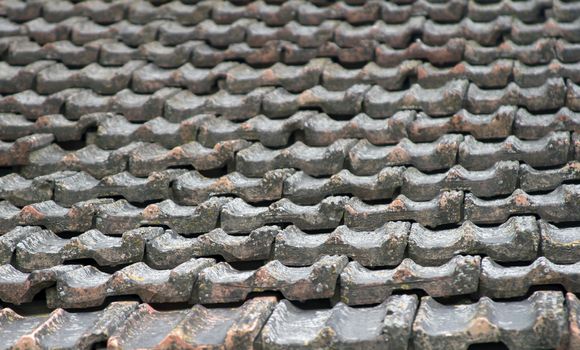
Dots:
{"x": 302, "y": 174}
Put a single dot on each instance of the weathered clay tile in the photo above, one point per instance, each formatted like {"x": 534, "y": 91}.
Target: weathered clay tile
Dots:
{"x": 295, "y": 54}
{"x": 83, "y": 30}
{"x": 256, "y": 160}
{"x": 311, "y": 14}
{"x": 120, "y": 216}
{"x": 85, "y": 101}
{"x": 152, "y": 157}
{"x": 481, "y": 126}
{"x": 539, "y": 52}
{"x": 359, "y": 285}
{"x": 398, "y": 11}
{"x": 23, "y": 52}
{"x": 449, "y": 53}
{"x": 560, "y": 245}
{"x": 87, "y": 286}
{"x": 394, "y": 35}
{"x": 304, "y": 189}
{"x": 386, "y": 326}
{"x": 77, "y": 218}
{"x": 18, "y": 287}
{"x": 167, "y": 56}
{"x": 142, "y": 12}
{"x": 32, "y": 105}
{"x": 150, "y": 78}
{"x": 115, "y": 53}
{"x": 550, "y": 95}
{"x": 269, "y": 132}
{"x": 565, "y": 11}
{"x": 43, "y": 249}
{"x": 496, "y": 74}
{"x": 19, "y": 151}
{"x": 533, "y": 323}
{"x": 42, "y": 32}
{"x": 528, "y": 11}
{"x": 9, "y": 28}
{"x": 173, "y": 33}
{"x": 17, "y": 78}
{"x": 136, "y": 35}
{"x": 485, "y": 33}
{"x": 258, "y": 34}
{"x": 227, "y": 328}
{"x": 498, "y": 281}
{"x": 99, "y": 11}
{"x": 281, "y": 103}
{"x": 90, "y": 159}
{"x": 560, "y": 205}
{"x": 274, "y": 14}
{"x": 526, "y": 76}
{"x": 169, "y": 249}
{"x": 338, "y": 78}
{"x": 64, "y": 129}
{"x": 573, "y": 96}
{"x": 532, "y": 180}
{"x": 115, "y": 131}
{"x": 500, "y": 179}
{"x": 10, "y": 239}
{"x": 441, "y": 210}
{"x": 518, "y": 239}
{"x": 239, "y": 216}
{"x": 552, "y": 149}
{"x": 440, "y": 101}
{"x": 103, "y": 80}
{"x": 535, "y": 126}
{"x": 243, "y": 78}
{"x": 367, "y": 159}
{"x": 185, "y": 104}
{"x": 20, "y": 191}
{"x": 526, "y": 33}
{"x": 383, "y": 246}
{"x": 79, "y": 102}
{"x": 16, "y": 10}
{"x": 566, "y": 51}
{"x": 82, "y": 186}
{"x": 206, "y": 56}
{"x": 141, "y": 107}
{"x": 8, "y": 216}
{"x": 221, "y": 283}
{"x": 13, "y": 126}
{"x": 193, "y": 188}
{"x": 62, "y": 329}
{"x": 322, "y": 130}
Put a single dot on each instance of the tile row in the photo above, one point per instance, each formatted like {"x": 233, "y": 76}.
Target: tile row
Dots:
{"x": 48, "y": 77}
{"x": 112, "y": 131}
{"x": 279, "y": 13}
{"x": 177, "y": 105}
{"x": 544, "y": 320}
{"x": 38, "y": 156}
{"x": 134, "y": 45}
{"x": 236, "y": 216}
{"x": 519, "y": 239}
{"x": 318, "y": 129}
{"x": 331, "y": 277}
{"x": 81, "y": 30}
{"x": 192, "y": 188}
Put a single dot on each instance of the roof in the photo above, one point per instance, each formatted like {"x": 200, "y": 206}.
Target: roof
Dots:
{"x": 289, "y": 174}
